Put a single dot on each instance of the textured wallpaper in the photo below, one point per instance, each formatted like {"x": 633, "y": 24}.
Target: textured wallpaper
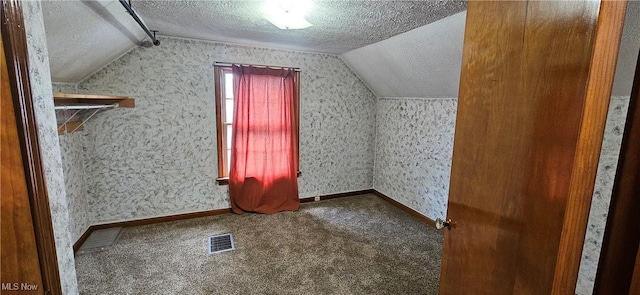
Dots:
{"x": 72, "y": 151}
{"x": 414, "y": 146}
{"x": 40, "y": 79}
{"x": 64, "y": 87}
{"x": 160, "y": 157}
{"x": 614, "y": 130}
{"x": 71, "y": 147}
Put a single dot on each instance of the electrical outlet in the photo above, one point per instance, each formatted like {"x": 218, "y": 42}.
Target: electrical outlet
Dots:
{"x": 317, "y": 198}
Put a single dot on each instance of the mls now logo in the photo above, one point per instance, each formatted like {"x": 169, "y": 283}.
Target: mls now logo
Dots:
{"x": 18, "y": 287}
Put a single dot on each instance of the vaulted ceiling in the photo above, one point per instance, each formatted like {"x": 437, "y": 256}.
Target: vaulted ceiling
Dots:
{"x": 82, "y": 36}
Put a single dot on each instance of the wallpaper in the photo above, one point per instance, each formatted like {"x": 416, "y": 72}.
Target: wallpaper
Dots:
{"x": 159, "y": 158}
{"x": 40, "y": 80}
{"x": 414, "y": 146}
{"x": 614, "y": 130}
{"x": 64, "y": 87}
{"x": 72, "y": 152}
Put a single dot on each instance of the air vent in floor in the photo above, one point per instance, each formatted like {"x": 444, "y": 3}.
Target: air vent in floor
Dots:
{"x": 100, "y": 239}
{"x": 221, "y": 243}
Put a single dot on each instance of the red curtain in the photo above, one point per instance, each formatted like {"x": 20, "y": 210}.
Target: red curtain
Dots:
{"x": 264, "y": 148}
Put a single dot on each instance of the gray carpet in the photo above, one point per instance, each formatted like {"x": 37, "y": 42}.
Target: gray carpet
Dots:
{"x": 353, "y": 245}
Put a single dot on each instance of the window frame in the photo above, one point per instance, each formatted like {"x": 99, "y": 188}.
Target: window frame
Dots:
{"x": 221, "y": 134}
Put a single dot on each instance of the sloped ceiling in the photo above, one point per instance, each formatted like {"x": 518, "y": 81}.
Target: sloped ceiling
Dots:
{"x": 424, "y": 62}
{"x": 83, "y": 36}
{"x": 338, "y": 26}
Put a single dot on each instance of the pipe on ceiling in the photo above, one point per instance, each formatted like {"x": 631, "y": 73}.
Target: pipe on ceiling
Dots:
{"x": 127, "y": 6}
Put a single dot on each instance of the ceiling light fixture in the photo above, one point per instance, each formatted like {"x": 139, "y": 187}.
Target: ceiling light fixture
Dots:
{"x": 287, "y": 14}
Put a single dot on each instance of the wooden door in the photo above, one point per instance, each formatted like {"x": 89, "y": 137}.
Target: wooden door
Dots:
{"x": 27, "y": 248}
{"x": 535, "y": 87}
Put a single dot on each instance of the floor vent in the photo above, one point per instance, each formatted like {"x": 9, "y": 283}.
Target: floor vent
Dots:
{"x": 221, "y": 243}
{"x": 100, "y": 239}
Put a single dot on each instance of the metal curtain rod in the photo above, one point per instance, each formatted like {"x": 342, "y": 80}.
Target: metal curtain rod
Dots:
{"x": 127, "y": 6}
{"x": 228, "y": 64}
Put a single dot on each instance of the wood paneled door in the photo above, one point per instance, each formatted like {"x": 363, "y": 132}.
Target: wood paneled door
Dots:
{"x": 535, "y": 88}
{"x": 29, "y": 264}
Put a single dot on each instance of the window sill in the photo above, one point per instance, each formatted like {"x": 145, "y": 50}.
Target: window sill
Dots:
{"x": 225, "y": 180}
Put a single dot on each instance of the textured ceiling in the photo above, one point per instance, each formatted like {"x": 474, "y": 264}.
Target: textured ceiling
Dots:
{"x": 338, "y": 26}
{"x": 82, "y": 36}
{"x": 426, "y": 62}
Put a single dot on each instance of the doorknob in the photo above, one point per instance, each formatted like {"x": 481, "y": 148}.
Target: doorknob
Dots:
{"x": 440, "y": 224}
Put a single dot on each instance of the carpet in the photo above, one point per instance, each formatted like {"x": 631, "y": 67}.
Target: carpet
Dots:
{"x": 353, "y": 245}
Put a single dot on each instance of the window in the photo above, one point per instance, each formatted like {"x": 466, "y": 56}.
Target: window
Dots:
{"x": 224, "y": 114}
{"x": 224, "y": 87}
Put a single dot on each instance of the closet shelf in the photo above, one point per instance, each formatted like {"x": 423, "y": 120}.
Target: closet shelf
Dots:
{"x": 67, "y": 99}
{"x": 86, "y": 102}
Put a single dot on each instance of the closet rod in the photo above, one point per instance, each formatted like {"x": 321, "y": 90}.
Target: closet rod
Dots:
{"x": 133, "y": 14}
{"x": 86, "y": 107}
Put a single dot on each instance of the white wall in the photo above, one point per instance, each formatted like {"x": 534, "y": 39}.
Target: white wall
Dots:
{"x": 414, "y": 136}
{"x": 160, "y": 157}
{"x": 602, "y": 194}
{"x": 414, "y": 146}
{"x": 416, "y": 76}
{"x": 40, "y": 79}
{"x": 628, "y": 50}
{"x": 72, "y": 152}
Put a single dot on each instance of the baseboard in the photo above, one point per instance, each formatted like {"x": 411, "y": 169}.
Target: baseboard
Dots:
{"x": 146, "y": 221}
{"x": 404, "y": 208}
{"x": 177, "y": 217}
{"x": 184, "y": 216}
{"x": 82, "y": 239}
{"x": 338, "y": 195}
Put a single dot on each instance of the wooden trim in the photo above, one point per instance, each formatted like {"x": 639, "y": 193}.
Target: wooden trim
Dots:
{"x": 404, "y": 208}
{"x": 338, "y": 195}
{"x": 220, "y": 125}
{"x": 177, "y": 217}
{"x": 621, "y": 240}
{"x": 66, "y": 128}
{"x": 153, "y": 220}
{"x": 146, "y": 221}
{"x": 598, "y": 95}
{"x": 82, "y": 239}
{"x": 217, "y": 76}
{"x": 15, "y": 45}
{"x": 60, "y": 99}
{"x": 296, "y": 101}
{"x": 225, "y": 180}
{"x": 185, "y": 216}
